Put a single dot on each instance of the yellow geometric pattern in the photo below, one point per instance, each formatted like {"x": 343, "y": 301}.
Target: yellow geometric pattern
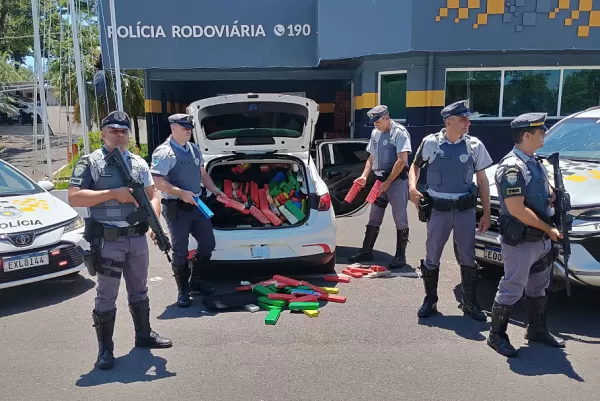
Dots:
{"x": 31, "y": 204}
{"x": 499, "y": 7}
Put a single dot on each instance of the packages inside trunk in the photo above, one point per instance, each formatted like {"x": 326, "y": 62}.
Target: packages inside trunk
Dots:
{"x": 263, "y": 194}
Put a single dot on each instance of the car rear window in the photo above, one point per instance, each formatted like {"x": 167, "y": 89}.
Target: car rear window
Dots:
{"x": 577, "y": 138}
{"x": 253, "y": 119}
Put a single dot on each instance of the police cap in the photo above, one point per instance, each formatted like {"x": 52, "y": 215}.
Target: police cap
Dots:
{"x": 377, "y": 112}
{"x": 181, "y": 119}
{"x": 460, "y": 108}
{"x": 533, "y": 120}
{"x": 116, "y": 119}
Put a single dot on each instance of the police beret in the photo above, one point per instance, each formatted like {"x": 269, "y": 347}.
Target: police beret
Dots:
{"x": 116, "y": 119}
{"x": 377, "y": 112}
{"x": 535, "y": 120}
{"x": 460, "y": 108}
{"x": 181, "y": 119}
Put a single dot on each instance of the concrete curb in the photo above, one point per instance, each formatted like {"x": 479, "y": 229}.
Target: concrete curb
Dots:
{"x": 58, "y": 171}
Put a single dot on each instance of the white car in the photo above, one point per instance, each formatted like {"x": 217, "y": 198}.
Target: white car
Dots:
{"x": 270, "y": 134}
{"x": 39, "y": 234}
{"x": 577, "y": 139}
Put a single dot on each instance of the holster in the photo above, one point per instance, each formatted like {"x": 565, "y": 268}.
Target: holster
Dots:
{"x": 513, "y": 231}
{"x": 425, "y": 207}
{"x": 93, "y": 235}
{"x": 547, "y": 260}
{"x": 174, "y": 206}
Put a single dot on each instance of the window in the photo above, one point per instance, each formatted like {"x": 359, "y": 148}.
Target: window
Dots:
{"x": 13, "y": 183}
{"x": 581, "y": 89}
{"x": 509, "y": 92}
{"x": 482, "y": 88}
{"x": 392, "y": 93}
{"x": 577, "y": 138}
{"x": 344, "y": 153}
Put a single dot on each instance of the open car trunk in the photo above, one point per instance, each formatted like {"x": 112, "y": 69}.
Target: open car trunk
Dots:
{"x": 267, "y": 193}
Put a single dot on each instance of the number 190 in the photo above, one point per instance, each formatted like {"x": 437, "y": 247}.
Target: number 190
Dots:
{"x": 296, "y": 30}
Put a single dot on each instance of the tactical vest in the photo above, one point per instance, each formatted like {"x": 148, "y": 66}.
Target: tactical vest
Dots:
{"x": 536, "y": 191}
{"x": 185, "y": 174}
{"x": 385, "y": 154}
{"x": 109, "y": 177}
{"x": 453, "y": 167}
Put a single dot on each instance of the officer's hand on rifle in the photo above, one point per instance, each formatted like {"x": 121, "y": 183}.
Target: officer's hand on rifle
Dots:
{"x": 552, "y": 197}
{"x": 554, "y": 234}
{"x": 362, "y": 181}
{"x": 153, "y": 237}
{"x": 123, "y": 195}
{"x": 415, "y": 196}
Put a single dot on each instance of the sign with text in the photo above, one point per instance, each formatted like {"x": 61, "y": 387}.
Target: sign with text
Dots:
{"x": 185, "y": 34}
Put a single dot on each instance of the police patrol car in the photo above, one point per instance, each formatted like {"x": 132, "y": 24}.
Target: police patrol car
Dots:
{"x": 39, "y": 234}
{"x": 271, "y": 131}
{"x": 577, "y": 139}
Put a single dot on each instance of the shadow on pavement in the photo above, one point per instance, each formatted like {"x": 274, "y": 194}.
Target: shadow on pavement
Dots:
{"x": 42, "y": 294}
{"x": 140, "y": 365}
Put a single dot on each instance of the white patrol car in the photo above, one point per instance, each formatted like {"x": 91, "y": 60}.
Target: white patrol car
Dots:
{"x": 267, "y": 132}
{"x": 577, "y": 139}
{"x": 39, "y": 234}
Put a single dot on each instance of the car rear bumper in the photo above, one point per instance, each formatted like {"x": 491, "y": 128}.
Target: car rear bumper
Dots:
{"x": 299, "y": 261}
{"x": 583, "y": 267}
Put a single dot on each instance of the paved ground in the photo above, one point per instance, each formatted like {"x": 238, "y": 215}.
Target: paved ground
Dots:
{"x": 371, "y": 348}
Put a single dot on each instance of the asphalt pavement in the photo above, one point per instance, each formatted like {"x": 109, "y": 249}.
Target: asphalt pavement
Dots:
{"x": 373, "y": 347}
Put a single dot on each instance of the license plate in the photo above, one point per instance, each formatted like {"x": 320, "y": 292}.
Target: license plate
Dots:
{"x": 260, "y": 252}
{"x": 493, "y": 254}
{"x": 19, "y": 262}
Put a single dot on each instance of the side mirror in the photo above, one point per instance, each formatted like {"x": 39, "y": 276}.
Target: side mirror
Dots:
{"x": 46, "y": 185}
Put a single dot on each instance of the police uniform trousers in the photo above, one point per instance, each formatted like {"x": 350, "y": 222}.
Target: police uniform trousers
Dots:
{"x": 129, "y": 256}
{"x": 439, "y": 226}
{"x": 190, "y": 222}
{"x": 397, "y": 195}
{"x": 517, "y": 278}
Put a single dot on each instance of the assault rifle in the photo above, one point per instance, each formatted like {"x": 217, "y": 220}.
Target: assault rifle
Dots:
{"x": 145, "y": 212}
{"x": 561, "y": 219}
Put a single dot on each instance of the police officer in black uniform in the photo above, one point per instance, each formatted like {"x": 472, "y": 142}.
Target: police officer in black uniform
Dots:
{"x": 526, "y": 198}
{"x": 452, "y": 158}
{"x": 178, "y": 170}
{"x": 121, "y": 250}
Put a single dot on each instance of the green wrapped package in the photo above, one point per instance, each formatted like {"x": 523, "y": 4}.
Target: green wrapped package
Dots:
{"x": 275, "y": 302}
{"x": 267, "y": 306}
{"x": 289, "y": 205}
{"x": 262, "y": 290}
{"x": 273, "y": 316}
{"x": 304, "y": 305}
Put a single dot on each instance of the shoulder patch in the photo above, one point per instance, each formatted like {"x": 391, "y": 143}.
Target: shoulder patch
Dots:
{"x": 512, "y": 175}
{"x": 80, "y": 167}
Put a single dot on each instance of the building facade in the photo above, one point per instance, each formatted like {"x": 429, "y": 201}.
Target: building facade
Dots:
{"x": 507, "y": 56}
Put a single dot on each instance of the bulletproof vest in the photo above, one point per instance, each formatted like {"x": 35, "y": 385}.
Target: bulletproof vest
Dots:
{"x": 109, "y": 177}
{"x": 186, "y": 172}
{"x": 453, "y": 167}
{"x": 536, "y": 191}
{"x": 385, "y": 151}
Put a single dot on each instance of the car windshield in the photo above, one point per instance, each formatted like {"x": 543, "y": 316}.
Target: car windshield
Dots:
{"x": 13, "y": 183}
{"x": 574, "y": 138}
{"x": 266, "y": 119}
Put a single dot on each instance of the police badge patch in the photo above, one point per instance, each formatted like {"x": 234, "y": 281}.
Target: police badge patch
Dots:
{"x": 464, "y": 157}
{"x": 197, "y": 161}
{"x": 512, "y": 178}
{"x": 80, "y": 168}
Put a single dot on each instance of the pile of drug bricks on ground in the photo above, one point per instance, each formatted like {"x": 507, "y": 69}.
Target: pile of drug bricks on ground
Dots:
{"x": 282, "y": 292}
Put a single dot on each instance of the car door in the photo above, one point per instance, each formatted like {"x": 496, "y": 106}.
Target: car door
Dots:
{"x": 339, "y": 163}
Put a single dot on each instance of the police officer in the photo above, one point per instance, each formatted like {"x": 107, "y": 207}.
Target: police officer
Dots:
{"x": 389, "y": 147}
{"x": 526, "y": 200}
{"x": 452, "y": 158}
{"x": 178, "y": 170}
{"x": 123, "y": 249}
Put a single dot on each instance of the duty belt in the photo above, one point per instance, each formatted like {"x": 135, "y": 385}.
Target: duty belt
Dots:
{"x": 402, "y": 176}
{"x": 465, "y": 202}
{"x": 111, "y": 233}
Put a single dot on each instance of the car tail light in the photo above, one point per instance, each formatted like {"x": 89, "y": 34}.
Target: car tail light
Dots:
{"x": 325, "y": 202}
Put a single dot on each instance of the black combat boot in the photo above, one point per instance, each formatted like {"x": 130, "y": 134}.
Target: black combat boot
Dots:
{"x": 537, "y": 330}
{"x": 182, "y": 275}
{"x": 401, "y": 242}
{"x": 469, "y": 305}
{"x": 498, "y": 339}
{"x": 366, "y": 253}
{"x": 430, "y": 280}
{"x": 105, "y": 324}
{"x": 196, "y": 284}
{"x": 144, "y": 336}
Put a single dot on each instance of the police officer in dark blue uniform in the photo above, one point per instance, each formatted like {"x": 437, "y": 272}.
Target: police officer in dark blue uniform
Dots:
{"x": 389, "y": 147}
{"x": 178, "y": 170}
{"x": 122, "y": 250}
{"x": 526, "y": 198}
{"x": 452, "y": 158}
